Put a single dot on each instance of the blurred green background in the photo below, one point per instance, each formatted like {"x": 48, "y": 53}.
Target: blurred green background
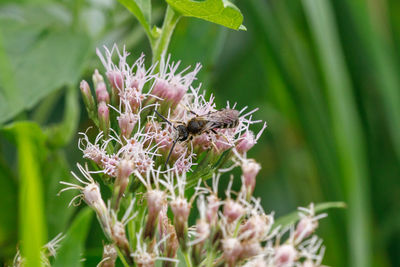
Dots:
{"x": 324, "y": 74}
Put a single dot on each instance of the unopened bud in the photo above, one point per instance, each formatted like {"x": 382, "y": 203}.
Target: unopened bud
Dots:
{"x": 202, "y": 233}
{"x": 285, "y": 256}
{"x": 124, "y": 170}
{"x": 97, "y": 78}
{"x": 233, "y": 210}
{"x": 247, "y": 142}
{"x": 181, "y": 209}
{"x": 101, "y": 93}
{"x": 250, "y": 169}
{"x": 116, "y": 79}
{"x": 87, "y": 97}
{"x": 250, "y": 249}
{"x": 156, "y": 200}
{"x": 232, "y": 249}
{"x": 256, "y": 228}
{"x": 169, "y": 91}
{"x": 92, "y": 196}
{"x": 144, "y": 259}
{"x": 109, "y": 256}
{"x": 305, "y": 228}
{"x": 126, "y": 122}
{"x": 172, "y": 245}
{"x": 119, "y": 237}
{"x": 213, "y": 204}
{"x": 104, "y": 117}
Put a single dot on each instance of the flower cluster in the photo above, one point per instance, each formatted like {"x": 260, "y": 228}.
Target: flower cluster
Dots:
{"x": 143, "y": 117}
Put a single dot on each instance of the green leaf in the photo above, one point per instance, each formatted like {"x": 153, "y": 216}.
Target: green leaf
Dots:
{"x": 35, "y": 62}
{"x": 8, "y": 208}
{"x": 145, "y": 7}
{"x": 293, "y": 217}
{"x": 220, "y": 12}
{"x": 33, "y": 233}
{"x": 142, "y": 11}
{"x": 58, "y": 214}
{"x": 61, "y": 134}
{"x": 347, "y": 127}
{"x": 72, "y": 247}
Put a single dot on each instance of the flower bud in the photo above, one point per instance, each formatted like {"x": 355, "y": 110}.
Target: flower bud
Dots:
{"x": 119, "y": 237}
{"x": 212, "y": 209}
{"x": 87, "y": 97}
{"x": 247, "y": 142}
{"x": 233, "y": 210}
{"x": 256, "y": 227}
{"x": 222, "y": 142}
{"x": 250, "y": 169}
{"x": 109, "y": 256}
{"x": 232, "y": 249}
{"x": 285, "y": 256}
{"x": 116, "y": 79}
{"x": 97, "y": 78}
{"x": 92, "y": 196}
{"x": 156, "y": 199}
{"x": 305, "y": 228}
{"x": 250, "y": 249}
{"x": 101, "y": 93}
{"x": 104, "y": 117}
{"x": 172, "y": 245}
{"x": 202, "y": 233}
{"x": 126, "y": 122}
{"x": 169, "y": 91}
{"x": 202, "y": 142}
{"x": 181, "y": 209}
{"x": 145, "y": 259}
{"x": 124, "y": 170}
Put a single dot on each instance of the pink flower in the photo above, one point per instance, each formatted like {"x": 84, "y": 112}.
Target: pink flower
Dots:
{"x": 171, "y": 86}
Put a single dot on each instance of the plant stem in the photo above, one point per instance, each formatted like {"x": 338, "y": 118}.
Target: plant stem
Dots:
{"x": 188, "y": 260}
{"x": 160, "y": 47}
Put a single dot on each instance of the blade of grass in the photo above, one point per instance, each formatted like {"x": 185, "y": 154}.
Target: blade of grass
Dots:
{"x": 386, "y": 68}
{"x": 346, "y": 125}
{"x": 31, "y": 210}
{"x": 72, "y": 247}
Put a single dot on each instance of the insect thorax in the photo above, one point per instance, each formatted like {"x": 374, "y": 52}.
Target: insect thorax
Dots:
{"x": 196, "y": 126}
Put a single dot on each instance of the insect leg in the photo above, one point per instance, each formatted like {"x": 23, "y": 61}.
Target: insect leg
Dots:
{"x": 170, "y": 152}
{"x": 164, "y": 119}
{"x": 188, "y": 109}
{"x": 227, "y": 140}
{"x": 215, "y": 146}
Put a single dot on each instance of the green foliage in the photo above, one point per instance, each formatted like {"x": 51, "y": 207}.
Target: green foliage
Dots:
{"x": 33, "y": 231}
{"x": 8, "y": 205}
{"x": 346, "y": 125}
{"x": 220, "y": 12}
{"x": 142, "y": 11}
{"x": 73, "y": 246}
{"x": 293, "y": 63}
{"x": 37, "y": 61}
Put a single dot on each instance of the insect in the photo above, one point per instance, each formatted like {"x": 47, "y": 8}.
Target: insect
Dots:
{"x": 220, "y": 119}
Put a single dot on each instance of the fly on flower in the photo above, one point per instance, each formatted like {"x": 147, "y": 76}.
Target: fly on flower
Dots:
{"x": 220, "y": 119}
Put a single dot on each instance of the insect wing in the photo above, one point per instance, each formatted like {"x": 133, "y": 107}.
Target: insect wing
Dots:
{"x": 224, "y": 118}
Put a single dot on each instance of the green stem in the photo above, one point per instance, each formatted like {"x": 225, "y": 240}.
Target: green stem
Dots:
{"x": 122, "y": 257}
{"x": 210, "y": 258}
{"x": 160, "y": 47}
{"x": 188, "y": 260}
